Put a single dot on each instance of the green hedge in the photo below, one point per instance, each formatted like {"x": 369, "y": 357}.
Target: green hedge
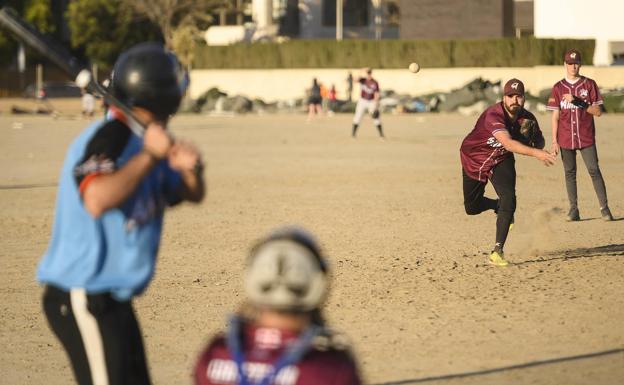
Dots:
{"x": 507, "y": 52}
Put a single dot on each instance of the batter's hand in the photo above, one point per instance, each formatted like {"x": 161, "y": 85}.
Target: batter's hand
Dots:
{"x": 156, "y": 140}
{"x": 184, "y": 157}
{"x": 546, "y": 157}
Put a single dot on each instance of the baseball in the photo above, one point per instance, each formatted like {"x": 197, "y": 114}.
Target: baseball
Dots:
{"x": 414, "y": 67}
{"x": 83, "y": 79}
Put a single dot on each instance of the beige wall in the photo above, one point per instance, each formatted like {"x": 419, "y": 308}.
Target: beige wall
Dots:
{"x": 286, "y": 84}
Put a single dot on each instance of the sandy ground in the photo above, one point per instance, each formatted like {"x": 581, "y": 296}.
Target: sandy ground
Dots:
{"x": 411, "y": 285}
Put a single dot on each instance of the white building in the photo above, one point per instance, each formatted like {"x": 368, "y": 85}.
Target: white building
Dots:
{"x": 583, "y": 19}
{"x": 308, "y": 19}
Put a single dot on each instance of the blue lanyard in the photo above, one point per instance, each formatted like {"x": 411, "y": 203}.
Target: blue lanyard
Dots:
{"x": 291, "y": 355}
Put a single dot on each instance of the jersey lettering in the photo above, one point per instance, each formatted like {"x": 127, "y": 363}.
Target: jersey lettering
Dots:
{"x": 221, "y": 371}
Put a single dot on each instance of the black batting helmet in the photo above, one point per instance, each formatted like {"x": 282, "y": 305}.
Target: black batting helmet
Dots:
{"x": 149, "y": 76}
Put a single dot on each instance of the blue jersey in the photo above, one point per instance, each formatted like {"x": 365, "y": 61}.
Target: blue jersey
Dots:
{"x": 116, "y": 252}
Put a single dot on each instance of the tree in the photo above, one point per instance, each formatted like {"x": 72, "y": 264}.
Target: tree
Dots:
{"x": 37, "y": 12}
{"x": 180, "y": 21}
{"x": 105, "y": 28}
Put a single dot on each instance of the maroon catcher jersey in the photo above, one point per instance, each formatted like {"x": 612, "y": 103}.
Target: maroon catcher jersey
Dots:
{"x": 368, "y": 88}
{"x": 480, "y": 151}
{"x": 576, "y": 126}
{"x": 263, "y": 347}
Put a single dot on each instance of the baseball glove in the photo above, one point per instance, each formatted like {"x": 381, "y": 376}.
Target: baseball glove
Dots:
{"x": 528, "y": 129}
{"x": 580, "y": 103}
{"x": 375, "y": 114}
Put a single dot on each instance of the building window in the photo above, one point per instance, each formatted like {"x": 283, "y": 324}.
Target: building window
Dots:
{"x": 392, "y": 13}
{"x": 354, "y": 13}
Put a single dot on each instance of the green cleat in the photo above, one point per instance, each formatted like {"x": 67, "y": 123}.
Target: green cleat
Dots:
{"x": 497, "y": 258}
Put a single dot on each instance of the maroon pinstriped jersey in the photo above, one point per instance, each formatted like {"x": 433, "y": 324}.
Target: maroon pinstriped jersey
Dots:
{"x": 368, "y": 88}
{"x": 576, "y": 126}
{"x": 480, "y": 151}
{"x": 263, "y": 347}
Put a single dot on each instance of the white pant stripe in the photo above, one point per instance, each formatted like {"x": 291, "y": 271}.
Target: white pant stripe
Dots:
{"x": 91, "y": 336}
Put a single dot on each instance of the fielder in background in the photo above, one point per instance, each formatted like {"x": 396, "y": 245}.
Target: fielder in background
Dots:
{"x": 487, "y": 154}
{"x": 369, "y": 101}
{"x": 113, "y": 191}
{"x": 574, "y": 101}
{"x": 279, "y": 335}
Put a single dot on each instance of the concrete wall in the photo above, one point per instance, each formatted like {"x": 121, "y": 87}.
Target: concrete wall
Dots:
{"x": 286, "y": 84}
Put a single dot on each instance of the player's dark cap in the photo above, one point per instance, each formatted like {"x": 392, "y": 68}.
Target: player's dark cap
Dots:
{"x": 514, "y": 87}
{"x": 572, "y": 57}
{"x": 149, "y": 76}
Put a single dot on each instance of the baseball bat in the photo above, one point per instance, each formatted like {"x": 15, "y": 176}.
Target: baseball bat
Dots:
{"x": 59, "y": 55}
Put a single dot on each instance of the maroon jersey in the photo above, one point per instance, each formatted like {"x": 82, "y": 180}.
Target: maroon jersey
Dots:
{"x": 576, "y": 126}
{"x": 368, "y": 88}
{"x": 480, "y": 151}
{"x": 262, "y": 348}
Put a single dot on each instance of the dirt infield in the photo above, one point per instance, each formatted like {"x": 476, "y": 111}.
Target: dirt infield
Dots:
{"x": 411, "y": 285}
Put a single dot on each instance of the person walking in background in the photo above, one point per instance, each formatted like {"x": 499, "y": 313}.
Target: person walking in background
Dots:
{"x": 314, "y": 100}
{"x": 280, "y": 336}
{"x": 332, "y": 99}
{"x": 487, "y": 154}
{"x": 113, "y": 191}
{"x": 349, "y": 87}
{"x": 88, "y": 103}
{"x": 574, "y": 101}
{"x": 324, "y": 98}
{"x": 369, "y": 101}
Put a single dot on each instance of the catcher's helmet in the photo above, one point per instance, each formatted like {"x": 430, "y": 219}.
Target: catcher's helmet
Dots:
{"x": 149, "y": 76}
{"x": 287, "y": 272}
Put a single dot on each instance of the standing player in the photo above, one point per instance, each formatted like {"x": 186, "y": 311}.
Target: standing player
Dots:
{"x": 314, "y": 100}
{"x": 279, "y": 336}
{"x": 88, "y": 103}
{"x": 574, "y": 101}
{"x": 487, "y": 154}
{"x": 369, "y": 101}
{"x": 113, "y": 190}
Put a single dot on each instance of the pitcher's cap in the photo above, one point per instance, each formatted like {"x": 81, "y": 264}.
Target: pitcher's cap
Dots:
{"x": 514, "y": 87}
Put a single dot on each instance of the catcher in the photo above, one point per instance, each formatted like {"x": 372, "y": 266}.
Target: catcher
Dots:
{"x": 487, "y": 154}
{"x": 279, "y": 336}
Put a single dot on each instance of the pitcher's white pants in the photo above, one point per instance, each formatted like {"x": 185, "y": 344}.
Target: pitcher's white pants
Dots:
{"x": 363, "y": 106}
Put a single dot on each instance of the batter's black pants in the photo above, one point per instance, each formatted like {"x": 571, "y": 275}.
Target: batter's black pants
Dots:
{"x": 590, "y": 157}
{"x": 100, "y": 335}
{"x": 504, "y": 182}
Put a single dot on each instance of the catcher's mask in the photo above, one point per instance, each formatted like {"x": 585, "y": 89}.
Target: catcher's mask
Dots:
{"x": 286, "y": 272}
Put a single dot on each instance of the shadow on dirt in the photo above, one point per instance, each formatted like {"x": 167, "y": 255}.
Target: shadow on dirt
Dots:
{"x": 510, "y": 367}
{"x": 582, "y": 252}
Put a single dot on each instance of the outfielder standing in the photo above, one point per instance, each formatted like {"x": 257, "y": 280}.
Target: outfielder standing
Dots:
{"x": 113, "y": 190}
{"x": 574, "y": 101}
{"x": 369, "y": 101}
{"x": 487, "y": 154}
{"x": 279, "y": 336}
